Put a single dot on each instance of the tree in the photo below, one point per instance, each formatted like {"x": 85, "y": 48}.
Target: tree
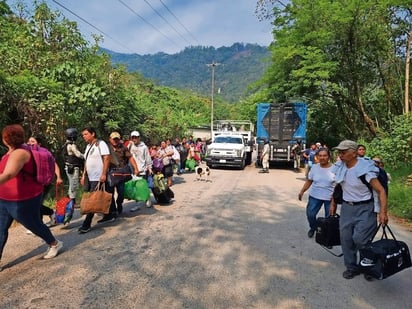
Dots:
{"x": 342, "y": 56}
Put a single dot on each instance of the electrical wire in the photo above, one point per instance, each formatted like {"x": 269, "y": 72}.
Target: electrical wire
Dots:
{"x": 171, "y": 13}
{"x": 171, "y": 26}
{"x": 91, "y": 25}
{"x": 142, "y": 18}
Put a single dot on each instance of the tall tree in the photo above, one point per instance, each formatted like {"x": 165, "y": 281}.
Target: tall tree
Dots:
{"x": 342, "y": 54}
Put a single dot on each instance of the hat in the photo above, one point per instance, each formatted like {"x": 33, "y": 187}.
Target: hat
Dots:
{"x": 346, "y": 144}
{"x": 134, "y": 133}
{"x": 318, "y": 144}
{"x": 114, "y": 135}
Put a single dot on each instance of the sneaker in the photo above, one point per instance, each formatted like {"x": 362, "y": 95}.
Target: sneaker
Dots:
{"x": 349, "y": 274}
{"x": 311, "y": 233}
{"x": 107, "y": 218}
{"x": 367, "y": 262}
{"x": 84, "y": 230}
{"x": 53, "y": 250}
{"x": 135, "y": 208}
{"x": 149, "y": 203}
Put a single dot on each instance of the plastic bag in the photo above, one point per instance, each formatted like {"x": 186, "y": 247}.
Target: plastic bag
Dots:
{"x": 137, "y": 190}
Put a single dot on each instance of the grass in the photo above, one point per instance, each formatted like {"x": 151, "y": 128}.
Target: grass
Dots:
{"x": 400, "y": 202}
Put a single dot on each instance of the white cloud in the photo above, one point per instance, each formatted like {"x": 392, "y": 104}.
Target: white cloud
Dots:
{"x": 212, "y": 23}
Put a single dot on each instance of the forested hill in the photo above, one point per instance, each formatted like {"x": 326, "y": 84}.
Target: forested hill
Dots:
{"x": 238, "y": 66}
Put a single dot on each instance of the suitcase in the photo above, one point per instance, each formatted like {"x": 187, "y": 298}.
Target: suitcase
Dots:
{"x": 384, "y": 257}
{"x": 327, "y": 231}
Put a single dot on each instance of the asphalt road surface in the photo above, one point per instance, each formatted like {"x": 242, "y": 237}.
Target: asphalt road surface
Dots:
{"x": 238, "y": 241}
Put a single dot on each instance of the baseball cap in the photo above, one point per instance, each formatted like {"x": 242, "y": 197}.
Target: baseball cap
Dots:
{"x": 346, "y": 144}
{"x": 134, "y": 133}
{"x": 114, "y": 135}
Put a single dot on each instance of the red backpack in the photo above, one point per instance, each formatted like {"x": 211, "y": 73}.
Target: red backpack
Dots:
{"x": 44, "y": 164}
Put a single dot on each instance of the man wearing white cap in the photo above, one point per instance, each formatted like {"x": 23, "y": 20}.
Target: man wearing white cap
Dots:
{"x": 140, "y": 153}
{"x": 358, "y": 218}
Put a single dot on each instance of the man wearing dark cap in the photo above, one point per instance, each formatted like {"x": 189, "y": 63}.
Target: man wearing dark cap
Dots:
{"x": 358, "y": 218}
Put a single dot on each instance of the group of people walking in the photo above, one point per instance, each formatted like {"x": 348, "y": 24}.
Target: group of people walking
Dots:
{"x": 21, "y": 196}
{"x": 359, "y": 214}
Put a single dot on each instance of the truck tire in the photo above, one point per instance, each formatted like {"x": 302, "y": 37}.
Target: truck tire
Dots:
{"x": 242, "y": 165}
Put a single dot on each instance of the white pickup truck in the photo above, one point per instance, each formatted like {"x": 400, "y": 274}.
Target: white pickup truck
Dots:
{"x": 232, "y": 144}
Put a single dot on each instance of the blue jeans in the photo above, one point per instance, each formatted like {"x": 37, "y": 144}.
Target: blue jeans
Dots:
{"x": 27, "y": 213}
{"x": 312, "y": 209}
{"x": 120, "y": 196}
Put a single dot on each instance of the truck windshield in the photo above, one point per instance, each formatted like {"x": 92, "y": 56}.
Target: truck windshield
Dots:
{"x": 229, "y": 140}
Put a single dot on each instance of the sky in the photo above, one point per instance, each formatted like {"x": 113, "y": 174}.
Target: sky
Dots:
{"x": 151, "y": 26}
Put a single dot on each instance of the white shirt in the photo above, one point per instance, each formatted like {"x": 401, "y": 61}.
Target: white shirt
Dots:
{"x": 141, "y": 155}
{"x": 322, "y": 182}
{"x": 94, "y": 160}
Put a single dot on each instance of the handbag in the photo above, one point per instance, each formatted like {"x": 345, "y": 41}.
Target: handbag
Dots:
{"x": 97, "y": 201}
{"x": 118, "y": 175}
{"x": 385, "y": 257}
{"x": 61, "y": 203}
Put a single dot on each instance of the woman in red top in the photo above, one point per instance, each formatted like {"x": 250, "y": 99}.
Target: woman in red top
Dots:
{"x": 20, "y": 194}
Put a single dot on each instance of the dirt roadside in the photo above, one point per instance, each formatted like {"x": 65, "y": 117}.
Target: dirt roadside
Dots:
{"x": 236, "y": 242}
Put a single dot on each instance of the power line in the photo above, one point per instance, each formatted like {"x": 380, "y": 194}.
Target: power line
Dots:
{"x": 171, "y": 13}
{"x": 161, "y": 16}
{"x": 105, "y": 34}
{"x": 142, "y": 18}
{"x": 91, "y": 25}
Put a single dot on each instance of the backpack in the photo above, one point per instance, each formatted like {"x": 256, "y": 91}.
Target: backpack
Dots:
{"x": 159, "y": 183}
{"x": 382, "y": 177}
{"x": 72, "y": 159}
{"x": 44, "y": 164}
{"x": 157, "y": 165}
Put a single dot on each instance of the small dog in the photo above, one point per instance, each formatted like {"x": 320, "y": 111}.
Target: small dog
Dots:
{"x": 202, "y": 172}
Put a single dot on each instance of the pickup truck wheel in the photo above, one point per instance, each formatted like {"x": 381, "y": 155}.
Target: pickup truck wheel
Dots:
{"x": 242, "y": 165}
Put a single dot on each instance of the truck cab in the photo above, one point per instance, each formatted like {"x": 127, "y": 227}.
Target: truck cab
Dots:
{"x": 232, "y": 144}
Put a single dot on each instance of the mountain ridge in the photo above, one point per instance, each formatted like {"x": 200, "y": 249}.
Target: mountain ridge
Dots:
{"x": 238, "y": 66}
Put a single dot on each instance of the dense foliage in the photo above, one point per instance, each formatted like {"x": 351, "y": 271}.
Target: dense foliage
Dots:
{"x": 188, "y": 69}
{"x": 347, "y": 60}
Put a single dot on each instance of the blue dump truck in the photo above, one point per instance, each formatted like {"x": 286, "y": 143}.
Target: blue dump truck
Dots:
{"x": 282, "y": 124}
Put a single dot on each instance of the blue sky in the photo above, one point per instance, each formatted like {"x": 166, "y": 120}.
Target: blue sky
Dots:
{"x": 147, "y": 26}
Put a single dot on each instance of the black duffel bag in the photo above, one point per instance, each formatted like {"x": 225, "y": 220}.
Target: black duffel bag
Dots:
{"x": 118, "y": 175}
{"x": 385, "y": 257}
{"x": 327, "y": 231}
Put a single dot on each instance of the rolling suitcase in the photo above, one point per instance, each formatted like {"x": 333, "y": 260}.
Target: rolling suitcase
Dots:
{"x": 384, "y": 257}
{"x": 327, "y": 231}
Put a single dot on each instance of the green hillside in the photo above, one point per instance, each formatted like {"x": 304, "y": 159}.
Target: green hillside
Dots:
{"x": 240, "y": 66}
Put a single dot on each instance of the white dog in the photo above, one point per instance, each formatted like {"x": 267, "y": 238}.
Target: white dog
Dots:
{"x": 202, "y": 172}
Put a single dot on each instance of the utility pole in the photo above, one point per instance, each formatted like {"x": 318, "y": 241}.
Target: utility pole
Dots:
{"x": 212, "y": 65}
{"x": 408, "y": 60}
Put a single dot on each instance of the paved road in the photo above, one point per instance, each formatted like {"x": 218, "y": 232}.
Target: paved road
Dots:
{"x": 236, "y": 242}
